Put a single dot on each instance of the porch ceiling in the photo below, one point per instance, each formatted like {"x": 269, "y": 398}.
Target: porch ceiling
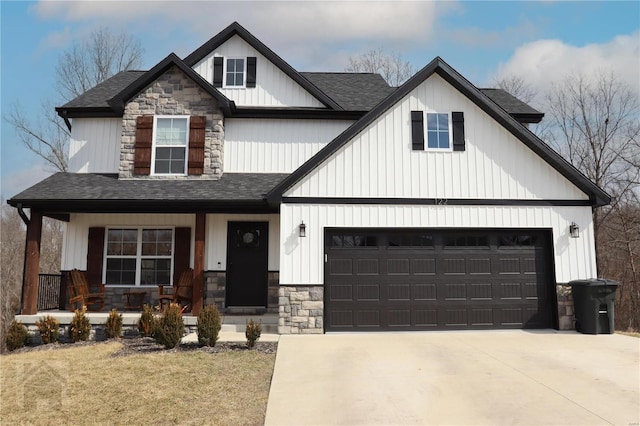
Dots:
{"x": 64, "y": 193}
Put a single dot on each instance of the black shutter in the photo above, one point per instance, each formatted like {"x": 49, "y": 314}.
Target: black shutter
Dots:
{"x": 95, "y": 253}
{"x": 457, "y": 119}
{"x": 218, "y": 64}
{"x": 182, "y": 254}
{"x": 417, "y": 130}
{"x": 251, "y": 71}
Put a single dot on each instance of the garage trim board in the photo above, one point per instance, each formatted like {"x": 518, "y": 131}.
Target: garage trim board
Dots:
{"x": 438, "y": 279}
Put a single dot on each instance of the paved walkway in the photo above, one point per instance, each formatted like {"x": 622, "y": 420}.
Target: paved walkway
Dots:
{"x": 456, "y": 378}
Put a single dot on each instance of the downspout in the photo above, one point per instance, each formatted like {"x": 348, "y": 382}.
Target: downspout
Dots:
{"x": 66, "y": 119}
{"x": 22, "y": 214}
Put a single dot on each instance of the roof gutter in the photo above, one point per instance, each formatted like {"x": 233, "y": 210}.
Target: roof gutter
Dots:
{"x": 22, "y": 214}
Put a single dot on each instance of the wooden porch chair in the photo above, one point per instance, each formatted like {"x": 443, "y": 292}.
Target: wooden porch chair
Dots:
{"x": 182, "y": 291}
{"x": 80, "y": 291}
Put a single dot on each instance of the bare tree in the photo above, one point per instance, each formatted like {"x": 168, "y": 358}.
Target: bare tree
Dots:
{"x": 390, "y": 66}
{"x": 93, "y": 60}
{"x": 517, "y": 87}
{"x": 595, "y": 124}
{"x": 12, "y": 239}
{"x": 85, "y": 64}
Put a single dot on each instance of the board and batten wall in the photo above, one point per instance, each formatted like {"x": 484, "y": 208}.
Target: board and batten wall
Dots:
{"x": 273, "y": 87}
{"x": 75, "y": 241}
{"x": 94, "y": 146}
{"x": 302, "y": 259}
{"x": 275, "y": 146}
{"x": 379, "y": 161}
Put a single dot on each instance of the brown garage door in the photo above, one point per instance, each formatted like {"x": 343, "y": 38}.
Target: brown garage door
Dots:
{"x": 425, "y": 279}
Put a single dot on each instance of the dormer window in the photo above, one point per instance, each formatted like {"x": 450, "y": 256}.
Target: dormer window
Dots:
{"x": 170, "y": 145}
{"x": 234, "y": 72}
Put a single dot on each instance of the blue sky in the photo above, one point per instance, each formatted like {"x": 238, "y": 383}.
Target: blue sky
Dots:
{"x": 541, "y": 41}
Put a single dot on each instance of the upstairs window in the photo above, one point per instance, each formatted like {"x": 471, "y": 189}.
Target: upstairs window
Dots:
{"x": 234, "y": 73}
{"x": 170, "y": 145}
{"x": 438, "y": 135}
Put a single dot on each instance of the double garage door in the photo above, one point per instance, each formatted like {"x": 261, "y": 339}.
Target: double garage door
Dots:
{"x": 426, "y": 279}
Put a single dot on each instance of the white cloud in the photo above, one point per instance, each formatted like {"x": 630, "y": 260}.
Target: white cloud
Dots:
{"x": 545, "y": 61}
{"x": 293, "y": 22}
{"x": 18, "y": 181}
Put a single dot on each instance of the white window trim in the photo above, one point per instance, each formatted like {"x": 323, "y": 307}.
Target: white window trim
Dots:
{"x": 224, "y": 73}
{"x": 153, "y": 146}
{"x": 138, "y": 255}
{"x": 426, "y": 132}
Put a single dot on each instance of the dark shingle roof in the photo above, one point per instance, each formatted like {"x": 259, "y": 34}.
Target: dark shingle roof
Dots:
{"x": 98, "y": 96}
{"x": 512, "y": 105}
{"x": 68, "y": 192}
{"x": 352, "y": 91}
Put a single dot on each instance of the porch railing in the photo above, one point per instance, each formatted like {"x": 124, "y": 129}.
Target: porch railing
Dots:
{"x": 49, "y": 291}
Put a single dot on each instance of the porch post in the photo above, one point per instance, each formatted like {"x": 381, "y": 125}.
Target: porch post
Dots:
{"x": 198, "y": 264}
{"x": 32, "y": 264}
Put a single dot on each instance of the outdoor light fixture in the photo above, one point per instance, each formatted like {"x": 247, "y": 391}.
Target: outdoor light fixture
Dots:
{"x": 574, "y": 230}
{"x": 302, "y": 229}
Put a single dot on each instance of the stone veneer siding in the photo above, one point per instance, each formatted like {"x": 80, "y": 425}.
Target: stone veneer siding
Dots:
{"x": 173, "y": 93}
{"x": 215, "y": 290}
{"x": 301, "y": 310}
{"x": 566, "y": 316}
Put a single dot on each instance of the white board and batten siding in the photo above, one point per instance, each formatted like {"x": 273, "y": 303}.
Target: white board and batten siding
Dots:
{"x": 75, "y": 242}
{"x": 379, "y": 162}
{"x": 302, "y": 258}
{"x": 95, "y": 145}
{"x": 275, "y": 146}
{"x": 273, "y": 87}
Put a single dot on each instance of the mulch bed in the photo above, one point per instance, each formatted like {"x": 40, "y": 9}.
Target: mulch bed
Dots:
{"x": 142, "y": 345}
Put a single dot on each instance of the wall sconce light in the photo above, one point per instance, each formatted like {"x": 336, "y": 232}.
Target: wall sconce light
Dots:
{"x": 574, "y": 230}
{"x": 302, "y": 229}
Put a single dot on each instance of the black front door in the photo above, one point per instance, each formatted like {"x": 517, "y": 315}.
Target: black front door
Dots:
{"x": 247, "y": 267}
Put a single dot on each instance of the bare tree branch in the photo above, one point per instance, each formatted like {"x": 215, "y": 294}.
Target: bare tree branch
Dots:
{"x": 390, "y": 66}
{"x": 517, "y": 87}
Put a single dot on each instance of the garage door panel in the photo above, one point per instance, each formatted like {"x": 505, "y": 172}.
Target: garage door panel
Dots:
{"x": 492, "y": 282}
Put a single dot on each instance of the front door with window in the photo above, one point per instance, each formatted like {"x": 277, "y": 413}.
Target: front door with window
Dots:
{"x": 247, "y": 267}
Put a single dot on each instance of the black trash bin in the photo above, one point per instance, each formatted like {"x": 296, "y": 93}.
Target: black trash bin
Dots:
{"x": 593, "y": 304}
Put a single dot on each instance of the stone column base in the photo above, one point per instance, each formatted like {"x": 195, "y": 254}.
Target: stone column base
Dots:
{"x": 301, "y": 309}
{"x": 566, "y": 317}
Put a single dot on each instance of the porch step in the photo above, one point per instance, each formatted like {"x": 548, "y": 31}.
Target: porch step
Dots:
{"x": 238, "y": 323}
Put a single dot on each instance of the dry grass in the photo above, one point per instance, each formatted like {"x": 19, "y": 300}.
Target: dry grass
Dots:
{"x": 86, "y": 385}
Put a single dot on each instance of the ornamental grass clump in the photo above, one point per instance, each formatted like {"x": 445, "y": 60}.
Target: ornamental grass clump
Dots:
{"x": 49, "y": 328}
{"x": 17, "y": 335}
{"x": 170, "y": 326}
{"x": 113, "y": 326}
{"x": 80, "y": 327}
{"x": 147, "y": 321}
{"x": 208, "y": 326}
{"x": 252, "y": 332}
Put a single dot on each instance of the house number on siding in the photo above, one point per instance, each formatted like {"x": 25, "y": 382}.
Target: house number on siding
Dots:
{"x": 441, "y": 201}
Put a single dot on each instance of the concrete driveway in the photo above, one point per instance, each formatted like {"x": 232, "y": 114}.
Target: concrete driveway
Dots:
{"x": 456, "y": 378}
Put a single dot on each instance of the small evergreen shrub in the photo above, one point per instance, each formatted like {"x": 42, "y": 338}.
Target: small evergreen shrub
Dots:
{"x": 170, "y": 326}
{"x": 208, "y": 325}
{"x": 113, "y": 326}
{"x": 49, "y": 328}
{"x": 80, "y": 327}
{"x": 147, "y": 321}
{"x": 252, "y": 332}
{"x": 17, "y": 335}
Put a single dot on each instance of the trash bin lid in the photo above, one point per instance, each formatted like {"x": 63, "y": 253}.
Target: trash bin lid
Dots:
{"x": 595, "y": 282}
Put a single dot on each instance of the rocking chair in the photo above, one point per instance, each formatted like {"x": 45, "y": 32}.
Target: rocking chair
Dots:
{"x": 182, "y": 291}
{"x": 80, "y": 291}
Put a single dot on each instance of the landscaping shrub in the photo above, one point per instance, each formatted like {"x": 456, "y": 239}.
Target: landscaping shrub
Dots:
{"x": 80, "y": 327}
{"x": 17, "y": 335}
{"x": 253, "y": 332}
{"x": 113, "y": 326}
{"x": 208, "y": 325}
{"x": 147, "y": 321}
{"x": 170, "y": 326}
{"x": 49, "y": 328}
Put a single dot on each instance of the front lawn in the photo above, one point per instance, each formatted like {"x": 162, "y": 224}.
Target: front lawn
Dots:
{"x": 87, "y": 385}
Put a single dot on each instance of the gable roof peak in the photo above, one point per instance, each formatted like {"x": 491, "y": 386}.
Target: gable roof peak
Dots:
{"x": 236, "y": 29}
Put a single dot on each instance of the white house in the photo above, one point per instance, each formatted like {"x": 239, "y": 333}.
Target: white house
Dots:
{"x": 332, "y": 199}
